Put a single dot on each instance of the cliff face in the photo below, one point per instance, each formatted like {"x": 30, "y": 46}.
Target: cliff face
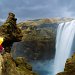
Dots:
{"x": 19, "y": 66}
{"x": 10, "y": 32}
{"x": 69, "y": 67}
{"x": 9, "y": 66}
{"x": 39, "y": 38}
{"x": 34, "y": 50}
{"x": 37, "y": 43}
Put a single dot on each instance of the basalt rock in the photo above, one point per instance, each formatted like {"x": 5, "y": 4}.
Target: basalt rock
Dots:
{"x": 10, "y": 32}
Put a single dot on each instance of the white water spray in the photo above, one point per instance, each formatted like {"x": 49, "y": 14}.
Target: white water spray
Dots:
{"x": 64, "y": 42}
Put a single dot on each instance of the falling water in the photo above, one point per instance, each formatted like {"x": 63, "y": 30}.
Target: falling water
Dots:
{"x": 64, "y": 42}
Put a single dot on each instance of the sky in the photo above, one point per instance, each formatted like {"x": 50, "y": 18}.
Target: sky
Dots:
{"x": 36, "y": 9}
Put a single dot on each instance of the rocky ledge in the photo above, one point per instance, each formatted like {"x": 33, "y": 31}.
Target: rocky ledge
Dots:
{"x": 11, "y": 33}
{"x": 19, "y": 66}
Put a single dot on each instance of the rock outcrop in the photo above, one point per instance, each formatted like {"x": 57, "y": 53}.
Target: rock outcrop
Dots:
{"x": 69, "y": 66}
{"x": 9, "y": 66}
{"x": 10, "y": 32}
{"x": 19, "y": 66}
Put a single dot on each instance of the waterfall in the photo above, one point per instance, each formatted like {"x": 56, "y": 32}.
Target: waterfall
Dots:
{"x": 64, "y": 42}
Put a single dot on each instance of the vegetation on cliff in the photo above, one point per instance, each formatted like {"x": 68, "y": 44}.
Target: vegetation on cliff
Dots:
{"x": 38, "y": 22}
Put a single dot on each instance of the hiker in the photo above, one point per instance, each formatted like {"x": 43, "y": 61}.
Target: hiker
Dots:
{"x": 1, "y": 48}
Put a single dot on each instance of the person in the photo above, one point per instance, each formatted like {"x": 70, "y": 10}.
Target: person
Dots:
{"x": 1, "y": 47}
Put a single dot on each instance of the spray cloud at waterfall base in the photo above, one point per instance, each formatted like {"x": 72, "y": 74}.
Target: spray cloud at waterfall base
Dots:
{"x": 64, "y": 44}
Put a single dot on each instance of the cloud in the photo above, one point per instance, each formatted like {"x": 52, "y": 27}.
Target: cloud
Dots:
{"x": 65, "y": 12}
{"x": 32, "y": 9}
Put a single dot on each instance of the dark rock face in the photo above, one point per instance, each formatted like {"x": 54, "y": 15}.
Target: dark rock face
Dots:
{"x": 34, "y": 50}
{"x": 19, "y": 66}
{"x": 10, "y": 32}
{"x": 38, "y": 43}
{"x": 69, "y": 67}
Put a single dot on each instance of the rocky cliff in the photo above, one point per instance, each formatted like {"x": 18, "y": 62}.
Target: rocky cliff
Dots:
{"x": 9, "y": 66}
{"x": 38, "y": 43}
{"x": 34, "y": 50}
{"x": 10, "y": 32}
{"x": 19, "y": 66}
{"x": 39, "y": 38}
